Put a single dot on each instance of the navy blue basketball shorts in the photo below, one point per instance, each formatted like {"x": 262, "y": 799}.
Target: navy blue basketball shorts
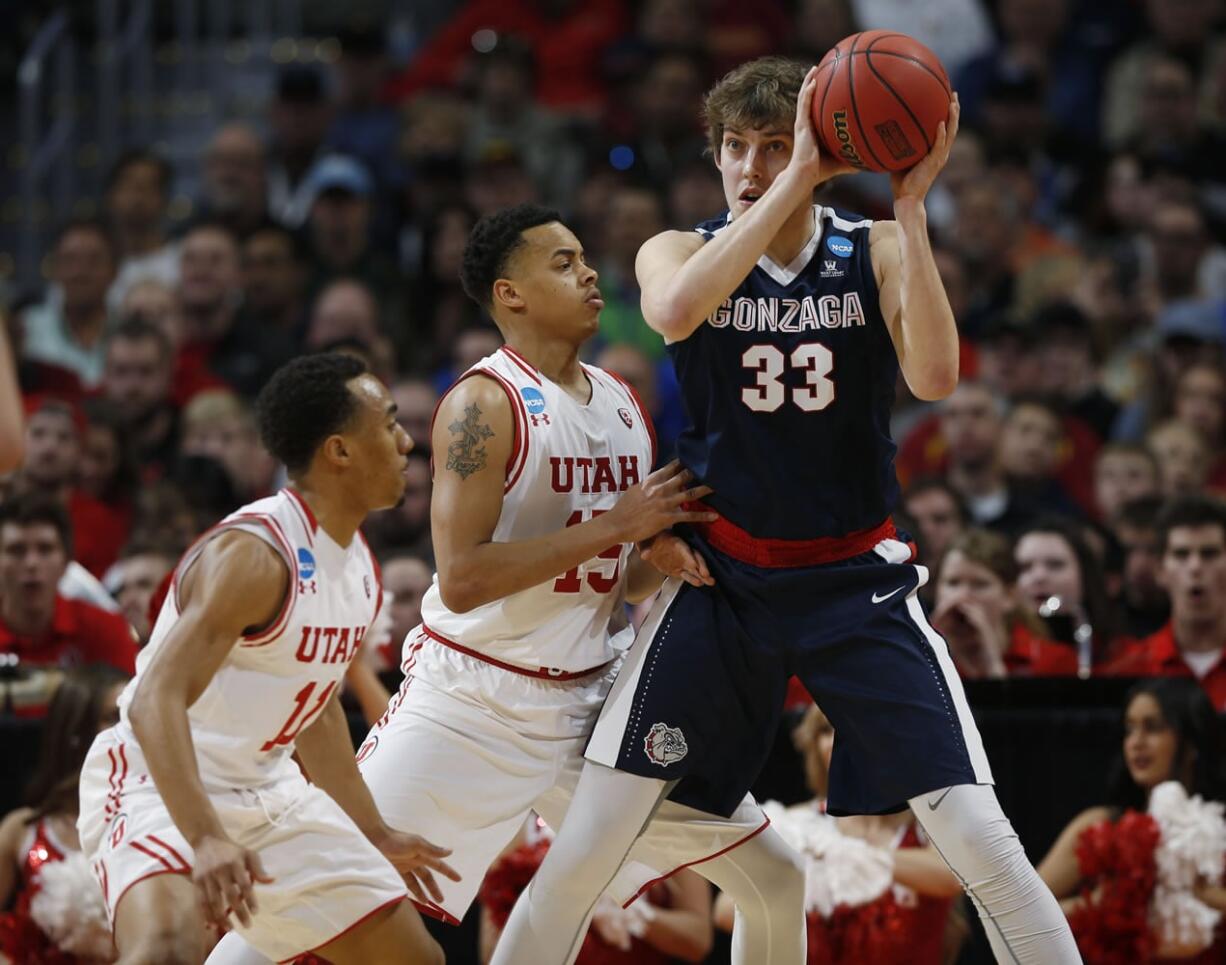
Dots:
{"x": 699, "y": 696}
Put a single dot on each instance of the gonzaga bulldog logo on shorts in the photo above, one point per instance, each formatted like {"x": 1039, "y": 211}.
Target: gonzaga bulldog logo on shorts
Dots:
{"x": 665, "y": 745}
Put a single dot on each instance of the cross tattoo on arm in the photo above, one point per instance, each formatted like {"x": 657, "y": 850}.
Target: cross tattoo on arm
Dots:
{"x": 466, "y": 454}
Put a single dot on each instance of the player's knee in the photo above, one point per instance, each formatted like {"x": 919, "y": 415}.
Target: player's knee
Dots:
{"x": 787, "y": 888}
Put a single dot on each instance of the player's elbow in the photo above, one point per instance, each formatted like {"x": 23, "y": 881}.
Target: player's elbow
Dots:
{"x": 671, "y": 316}
{"x": 934, "y": 382}
{"x": 459, "y": 592}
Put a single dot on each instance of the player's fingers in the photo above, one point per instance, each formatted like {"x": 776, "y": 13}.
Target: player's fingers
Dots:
{"x": 410, "y": 882}
{"x": 700, "y": 566}
{"x": 255, "y": 868}
{"x": 212, "y": 900}
{"x": 691, "y": 578}
{"x": 692, "y": 516}
{"x": 692, "y": 495}
{"x": 433, "y": 850}
{"x": 443, "y": 868}
{"x": 663, "y": 473}
{"x": 676, "y": 482}
{"x": 428, "y": 882}
{"x": 246, "y": 888}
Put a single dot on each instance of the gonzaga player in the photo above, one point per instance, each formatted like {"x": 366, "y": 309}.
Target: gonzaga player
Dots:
{"x": 192, "y": 807}
{"x": 788, "y": 323}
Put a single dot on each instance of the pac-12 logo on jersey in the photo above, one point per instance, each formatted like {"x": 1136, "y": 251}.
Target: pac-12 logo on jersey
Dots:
{"x": 665, "y": 745}
{"x": 534, "y": 401}
{"x": 626, "y": 418}
{"x": 840, "y": 246}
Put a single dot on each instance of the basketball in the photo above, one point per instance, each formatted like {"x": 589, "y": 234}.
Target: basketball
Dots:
{"x": 880, "y": 97}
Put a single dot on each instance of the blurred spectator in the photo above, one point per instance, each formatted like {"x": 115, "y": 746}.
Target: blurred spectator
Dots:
{"x": 820, "y": 24}
{"x": 406, "y": 528}
{"x": 473, "y": 344}
{"x": 1182, "y": 456}
{"x": 106, "y": 466}
{"x": 137, "y": 382}
{"x": 694, "y": 195}
{"x": 415, "y": 400}
{"x": 666, "y": 105}
{"x": 1031, "y": 442}
{"x": 1061, "y": 580}
{"x": 53, "y": 451}
{"x": 1182, "y": 257}
{"x": 298, "y": 118}
{"x": 274, "y": 281}
{"x": 939, "y": 515}
{"x": 567, "y": 35}
{"x": 1123, "y": 472}
{"x": 406, "y": 577}
{"x": 44, "y": 833}
{"x": 1192, "y": 542}
{"x": 67, "y": 329}
{"x": 134, "y": 579}
{"x": 38, "y": 626}
{"x": 34, "y": 377}
{"x": 163, "y": 514}
{"x": 498, "y": 179}
{"x": 656, "y": 385}
{"x": 1068, "y": 366}
{"x": 364, "y": 125}
{"x": 137, "y": 197}
{"x": 348, "y": 309}
{"x": 218, "y": 425}
{"x": 990, "y": 634}
{"x": 1144, "y": 607}
{"x": 442, "y": 307}
{"x": 505, "y": 115}
{"x": 1200, "y": 402}
{"x": 235, "y": 179}
{"x": 956, "y": 30}
{"x": 1179, "y": 28}
{"x": 634, "y": 216}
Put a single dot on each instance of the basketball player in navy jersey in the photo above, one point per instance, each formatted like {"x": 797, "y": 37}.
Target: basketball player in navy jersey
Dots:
{"x": 788, "y": 323}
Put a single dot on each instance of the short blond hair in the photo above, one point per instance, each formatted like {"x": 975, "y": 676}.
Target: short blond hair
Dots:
{"x": 758, "y": 94}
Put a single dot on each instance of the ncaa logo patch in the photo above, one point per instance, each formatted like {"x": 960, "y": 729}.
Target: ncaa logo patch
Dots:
{"x": 840, "y": 246}
{"x": 665, "y": 745}
{"x": 533, "y": 400}
{"x": 626, "y": 418}
{"x": 306, "y": 563}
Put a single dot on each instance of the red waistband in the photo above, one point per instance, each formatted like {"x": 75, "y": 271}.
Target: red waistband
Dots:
{"x": 733, "y": 541}
{"x": 545, "y": 673}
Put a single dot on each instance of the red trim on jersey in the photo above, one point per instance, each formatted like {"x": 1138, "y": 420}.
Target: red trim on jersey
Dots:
{"x": 730, "y": 539}
{"x": 519, "y": 423}
{"x": 103, "y": 878}
{"x": 523, "y": 363}
{"x": 303, "y": 509}
{"x": 264, "y": 637}
{"x": 689, "y": 864}
{"x": 341, "y": 934}
{"x": 117, "y": 756}
{"x": 521, "y": 436}
{"x": 434, "y": 911}
{"x": 378, "y": 571}
{"x": 166, "y": 847}
{"x": 543, "y": 672}
{"x": 146, "y": 850}
{"x": 643, "y": 414}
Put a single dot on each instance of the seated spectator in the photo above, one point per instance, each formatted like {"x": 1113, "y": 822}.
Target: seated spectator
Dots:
{"x": 406, "y": 527}
{"x": 137, "y": 383}
{"x": 1032, "y": 441}
{"x": 133, "y": 580}
{"x": 67, "y": 329}
{"x": 1123, "y": 472}
{"x": 1171, "y": 737}
{"x": 1068, "y": 363}
{"x": 1200, "y": 402}
{"x": 348, "y": 310}
{"x": 1143, "y": 604}
{"x": 415, "y": 400}
{"x": 219, "y": 425}
{"x": 1192, "y": 543}
{"x": 299, "y": 115}
{"x": 634, "y": 215}
{"x": 34, "y": 377}
{"x": 990, "y": 634}
{"x": 137, "y": 198}
{"x": 939, "y": 515}
{"x": 1182, "y": 457}
{"x": 106, "y": 465}
{"x": 1061, "y": 580}
{"x": 406, "y": 577}
{"x": 274, "y": 281}
{"x": 437, "y": 293}
{"x": 39, "y": 628}
{"x": 43, "y": 834}
{"x": 234, "y": 182}
{"x": 918, "y": 897}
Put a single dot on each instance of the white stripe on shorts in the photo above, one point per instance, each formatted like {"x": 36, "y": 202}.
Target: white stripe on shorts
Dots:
{"x": 615, "y": 717}
{"x": 966, "y": 721}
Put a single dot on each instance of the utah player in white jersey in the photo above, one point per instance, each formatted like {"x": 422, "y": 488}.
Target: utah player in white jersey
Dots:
{"x": 193, "y": 811}
{"x": 541, "y": 490}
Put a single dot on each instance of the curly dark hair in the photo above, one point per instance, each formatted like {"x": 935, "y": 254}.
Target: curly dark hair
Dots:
{"x": 1190, "y": 510}
{"x": 304, "y": 402}
{"x": 490, "y": 244}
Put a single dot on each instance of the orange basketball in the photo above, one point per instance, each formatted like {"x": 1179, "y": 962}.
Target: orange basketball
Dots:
{"x": 879, "y": 99}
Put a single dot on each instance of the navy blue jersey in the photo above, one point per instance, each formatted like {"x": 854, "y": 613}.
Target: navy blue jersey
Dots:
{"x": 788, "y": 387}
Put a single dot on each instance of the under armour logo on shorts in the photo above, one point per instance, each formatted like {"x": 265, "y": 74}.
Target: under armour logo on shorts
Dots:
{"x": 665, "y": 745}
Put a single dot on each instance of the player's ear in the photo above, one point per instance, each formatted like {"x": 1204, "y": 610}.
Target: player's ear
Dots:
{"x": 336, "y": 450}
{"x": 506, "y": 294}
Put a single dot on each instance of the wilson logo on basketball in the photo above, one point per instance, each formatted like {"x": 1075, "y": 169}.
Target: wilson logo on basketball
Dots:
{"x": 846, "y": 148}
{"x": 625, "y": 414}
{"x": 665, "y": 745}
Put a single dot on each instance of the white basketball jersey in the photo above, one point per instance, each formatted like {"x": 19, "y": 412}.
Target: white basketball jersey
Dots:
{"x": 274, "y": 683}
{"x": 569, "y": 462}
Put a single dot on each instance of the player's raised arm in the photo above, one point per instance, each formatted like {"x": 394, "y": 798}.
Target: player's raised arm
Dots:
{"x": 236, "y": 585}
{"x": 683, "y": 280}
{"x": 472, "y": 440}
{"x": 912, "y": 296}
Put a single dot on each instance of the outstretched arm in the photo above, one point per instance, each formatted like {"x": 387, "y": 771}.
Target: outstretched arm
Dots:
{"x": 912, "y": 296}
{"x": 472, "y": 440}
{"x": 12, "y": 434}
{"x": 237, "y": 584}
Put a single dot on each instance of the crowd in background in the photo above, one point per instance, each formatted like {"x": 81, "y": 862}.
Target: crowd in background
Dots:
{"x": 1064, "y": 497}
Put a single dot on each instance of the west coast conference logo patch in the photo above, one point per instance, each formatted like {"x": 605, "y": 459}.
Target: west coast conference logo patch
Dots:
{"x": 626, "y": 418}
{"x": 534, "y": 401}
{"x": 665, "y": 745}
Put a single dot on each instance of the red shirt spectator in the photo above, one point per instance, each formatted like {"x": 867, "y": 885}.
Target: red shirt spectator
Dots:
{"x": 1192, "y": 536}
{"x": 1030, "y": 655}
{"x": 78, "y": 633}
{"x": 1158, "y": 655}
